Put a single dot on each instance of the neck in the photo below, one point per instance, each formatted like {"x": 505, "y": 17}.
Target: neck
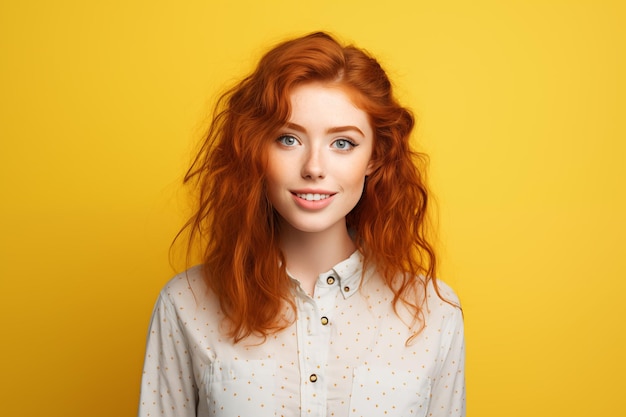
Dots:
{"x": 310, "y": 254}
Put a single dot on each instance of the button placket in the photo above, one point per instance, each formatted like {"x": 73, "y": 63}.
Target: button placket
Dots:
{"x": 316, "y": 316}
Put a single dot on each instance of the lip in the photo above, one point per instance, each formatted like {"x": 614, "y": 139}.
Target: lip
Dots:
{"x": 318, "y": 199}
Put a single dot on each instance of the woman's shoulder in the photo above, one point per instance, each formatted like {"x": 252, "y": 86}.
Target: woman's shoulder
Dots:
{"x": 442, "y": 302}
{"x": 186, "y": 288}
{"x": 441, "y": 291}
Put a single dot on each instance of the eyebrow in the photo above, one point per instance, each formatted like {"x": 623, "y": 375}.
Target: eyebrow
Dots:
{"x": 336, "y": 129}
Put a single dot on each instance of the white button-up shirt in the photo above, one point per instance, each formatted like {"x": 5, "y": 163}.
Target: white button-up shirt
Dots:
{"x": 345, "y": 355}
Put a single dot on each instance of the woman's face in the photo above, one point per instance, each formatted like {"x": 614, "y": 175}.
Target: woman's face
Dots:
{"x": 318, "y": 162}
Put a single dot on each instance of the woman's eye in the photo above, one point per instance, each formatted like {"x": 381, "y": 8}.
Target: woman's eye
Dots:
{"x": 287, "y": 140}
{"x": 343, "y": 144}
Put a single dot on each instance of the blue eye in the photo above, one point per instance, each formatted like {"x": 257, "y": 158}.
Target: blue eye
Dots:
{"x": 287, "y": 140}
{"x": 344, "y": 144}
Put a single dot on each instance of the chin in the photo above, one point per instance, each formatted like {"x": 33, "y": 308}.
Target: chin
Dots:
{"x": 314, "y": 227}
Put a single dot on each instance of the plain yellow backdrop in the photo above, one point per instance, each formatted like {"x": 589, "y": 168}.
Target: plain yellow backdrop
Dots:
{"x": 520, "y": 106}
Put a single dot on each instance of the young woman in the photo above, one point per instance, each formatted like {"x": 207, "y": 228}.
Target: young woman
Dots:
{"x": 317, "y": 295}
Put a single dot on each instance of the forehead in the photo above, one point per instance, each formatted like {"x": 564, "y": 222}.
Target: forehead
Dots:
{"x": 325, "y": 103}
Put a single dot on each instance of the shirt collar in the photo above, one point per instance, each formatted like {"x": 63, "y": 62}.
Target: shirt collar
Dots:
{"x": 349, "y": 273}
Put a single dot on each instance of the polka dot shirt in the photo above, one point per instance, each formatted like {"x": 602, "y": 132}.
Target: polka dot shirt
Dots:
{"x": 346, "y": 355}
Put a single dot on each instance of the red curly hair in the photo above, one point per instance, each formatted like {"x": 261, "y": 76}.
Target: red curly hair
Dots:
{"x": 238, "y": 230}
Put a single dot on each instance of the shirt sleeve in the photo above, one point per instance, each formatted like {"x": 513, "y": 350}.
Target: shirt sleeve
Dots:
{"x": 167, "y": 386}
{"x": 448, "y": 392}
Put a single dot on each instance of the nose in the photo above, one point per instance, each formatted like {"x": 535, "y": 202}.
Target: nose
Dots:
{"x": 313, "y": 166}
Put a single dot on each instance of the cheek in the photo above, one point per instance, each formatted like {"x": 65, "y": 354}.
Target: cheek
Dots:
{"x": 276, "y": 183}
{"x": 355, "y": 174}
{"x": 354, "y": 184}
{"x": 272, "y": 185}
{"x": 274, "y": 172}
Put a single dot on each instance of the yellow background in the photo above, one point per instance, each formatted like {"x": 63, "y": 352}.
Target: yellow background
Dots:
{"x": 521, "y": 107}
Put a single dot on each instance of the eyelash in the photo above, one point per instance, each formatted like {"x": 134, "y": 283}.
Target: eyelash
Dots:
{"x": 281, "y": 139}
{"x": 350, "y": 144}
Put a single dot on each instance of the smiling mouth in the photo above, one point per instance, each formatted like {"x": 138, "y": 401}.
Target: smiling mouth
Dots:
{"x": 313, "y": 197}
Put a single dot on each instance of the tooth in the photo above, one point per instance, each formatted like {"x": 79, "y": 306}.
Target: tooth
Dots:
{"x": 313, "y": 197}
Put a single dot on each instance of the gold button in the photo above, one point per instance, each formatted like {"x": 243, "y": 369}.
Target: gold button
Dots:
{"x": 324, "y": 321}
{"x": 330, "y": 280}
{"x": 346, "y": 289}
{"x": 313, "y": 378}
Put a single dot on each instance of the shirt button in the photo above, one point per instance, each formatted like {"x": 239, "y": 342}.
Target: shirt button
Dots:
{"x": 330, "y": 280}
{"x": 324, "y": 320}
{"x": 313, "y": 378}
{"x": 346, "y": 289}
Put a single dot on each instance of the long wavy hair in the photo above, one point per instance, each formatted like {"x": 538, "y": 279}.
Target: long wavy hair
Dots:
{"x": 236, "y": 225}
